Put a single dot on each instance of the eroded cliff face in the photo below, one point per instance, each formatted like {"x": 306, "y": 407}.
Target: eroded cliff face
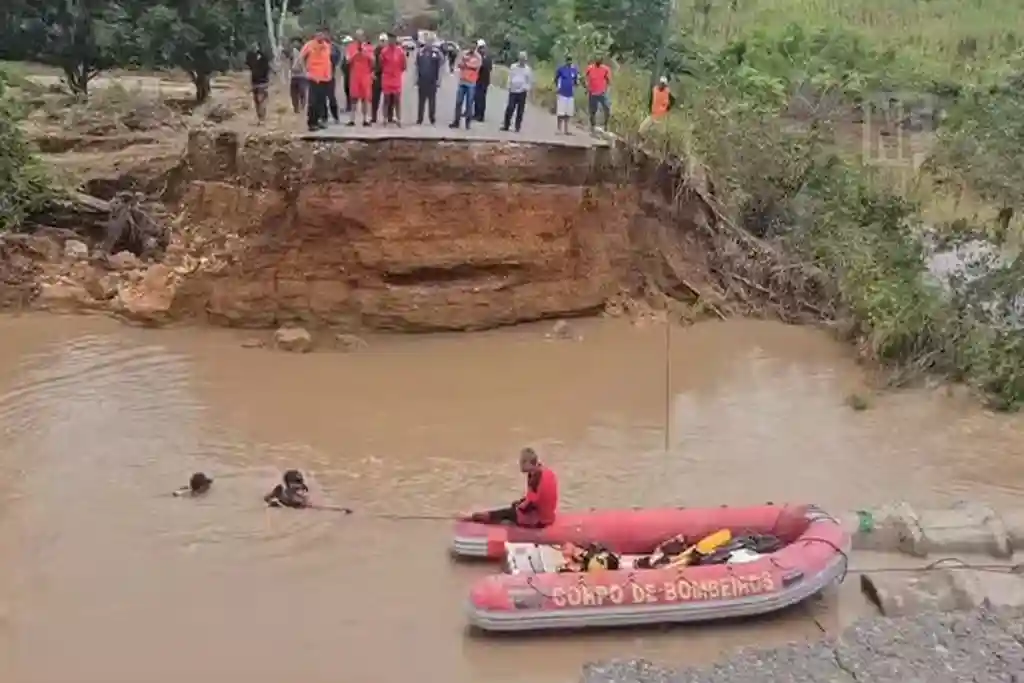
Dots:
{"x": 400, "y": 234}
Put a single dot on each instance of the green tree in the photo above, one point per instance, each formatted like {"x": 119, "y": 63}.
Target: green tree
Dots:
{"x": 201, "y": 37}
{"x": 23, "y": 186}
{"x": 81, "y": 37}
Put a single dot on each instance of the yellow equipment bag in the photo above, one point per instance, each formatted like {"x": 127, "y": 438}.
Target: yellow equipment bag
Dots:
{"x": 705, "y": 546}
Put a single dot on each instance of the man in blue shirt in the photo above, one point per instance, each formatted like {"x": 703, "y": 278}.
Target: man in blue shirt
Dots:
{"x": 566, "y": 79}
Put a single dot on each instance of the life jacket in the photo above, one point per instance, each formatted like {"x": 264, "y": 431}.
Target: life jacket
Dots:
{"x": 703, "y": 548}
{"x": 660, "y": 101}
{"x": 318, "y": 60}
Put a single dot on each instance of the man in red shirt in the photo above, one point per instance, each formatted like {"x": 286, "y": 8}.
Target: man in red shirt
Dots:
{"x": 359, "y": 55}
{"x": 599, "y": 77}
{"x": 538, "y": 508}
{"x": 392, "y": 71}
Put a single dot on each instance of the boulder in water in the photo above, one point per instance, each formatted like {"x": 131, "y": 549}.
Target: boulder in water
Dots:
{"x": 294, "y": 339}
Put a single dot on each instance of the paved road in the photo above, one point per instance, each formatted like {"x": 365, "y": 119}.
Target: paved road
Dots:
{"x": 538, "y": 124}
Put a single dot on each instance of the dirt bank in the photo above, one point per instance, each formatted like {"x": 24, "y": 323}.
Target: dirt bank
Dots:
{"x": 405, "y": 234}
{"x": 966, "y": 646}
{"x": 402, "y": 234}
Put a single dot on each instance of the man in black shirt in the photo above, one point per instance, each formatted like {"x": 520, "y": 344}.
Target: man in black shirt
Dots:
{"x": 483, "y": 81}
{"x": 428, "y": 77}
{"x": 377, "y": 76}
{"x": 259, "y": 72}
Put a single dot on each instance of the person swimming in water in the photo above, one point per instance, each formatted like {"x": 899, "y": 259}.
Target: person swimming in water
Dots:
{"x": 198, "y": 484}
{"x": 292, "y": 492}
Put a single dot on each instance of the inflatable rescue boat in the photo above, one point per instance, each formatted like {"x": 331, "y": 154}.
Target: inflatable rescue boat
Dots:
{"x": 614, "y": 569}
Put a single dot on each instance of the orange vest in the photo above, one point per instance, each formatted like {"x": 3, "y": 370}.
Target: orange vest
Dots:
{"x": 659, "y": 102}
{"x": 318, "y": 60}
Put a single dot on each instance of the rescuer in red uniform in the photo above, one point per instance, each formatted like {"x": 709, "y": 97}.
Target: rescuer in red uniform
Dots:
{"x": 535, "y": 510}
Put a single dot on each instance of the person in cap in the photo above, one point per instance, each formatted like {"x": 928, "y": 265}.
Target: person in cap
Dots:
{"x": 346, "y": 72}
{"x": 382, "y": 41}
{"x": 198, "y": 484}
{"x": 483, "y": 81}
{"x": 393, "y": 65}
{"x": 659, "y": 104}
{"x": 292, "y": 492}
{"x": 428, "y": 76}
{"x": 469, "y": 72}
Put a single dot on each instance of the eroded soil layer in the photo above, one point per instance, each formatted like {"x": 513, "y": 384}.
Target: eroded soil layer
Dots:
{"x": 402, "y": 234}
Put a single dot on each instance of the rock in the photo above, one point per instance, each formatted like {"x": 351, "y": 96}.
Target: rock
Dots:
{"x": 124, "y": 260}
{"x": 294, "y": 339}
{"x": 253, "y": 343}
{"x": 982, "y": 645}
{"x": 64, "y": 296}
{"x": 562, "y": 330}
{"x": 101, "y": 287}
{"x": 349, "y": 342}
{"x": 76, "y": 249}
{"x": 150, "y": 299}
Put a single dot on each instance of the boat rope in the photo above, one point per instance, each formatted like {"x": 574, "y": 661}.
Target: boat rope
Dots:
{"x": 395, "y": 517}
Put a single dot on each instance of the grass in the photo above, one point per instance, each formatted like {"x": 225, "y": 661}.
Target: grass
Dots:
{"x": 943, "y": 38}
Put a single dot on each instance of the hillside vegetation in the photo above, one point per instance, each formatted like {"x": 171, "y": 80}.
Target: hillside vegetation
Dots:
{"x": 771, "y": 96}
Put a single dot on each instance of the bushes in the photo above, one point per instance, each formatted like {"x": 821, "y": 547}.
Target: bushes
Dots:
{"x": 786, "y": 178}
{"x": 23, "y": 186}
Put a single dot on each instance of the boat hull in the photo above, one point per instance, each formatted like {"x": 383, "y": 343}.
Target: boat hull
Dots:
{"x": 814, "y": 559}
{"x": 624, "y": 531}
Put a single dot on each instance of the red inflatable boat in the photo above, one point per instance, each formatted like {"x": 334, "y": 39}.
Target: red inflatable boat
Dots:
{"x": 810, "y": 554}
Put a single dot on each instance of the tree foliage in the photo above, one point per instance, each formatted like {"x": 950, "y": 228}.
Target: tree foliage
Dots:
{"x": 201, "y": 37}
{"x": 23, "y": 186}
{"x": 81, "y": 37}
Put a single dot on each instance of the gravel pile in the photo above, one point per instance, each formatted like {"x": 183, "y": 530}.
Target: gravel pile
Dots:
{"x": 981, "y": 647}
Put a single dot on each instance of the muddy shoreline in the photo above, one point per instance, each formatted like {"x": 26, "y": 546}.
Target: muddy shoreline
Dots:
{"x": 966, "y": 646}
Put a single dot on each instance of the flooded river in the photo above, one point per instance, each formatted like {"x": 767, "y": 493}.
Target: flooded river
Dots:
{"x": 108, "y": 579}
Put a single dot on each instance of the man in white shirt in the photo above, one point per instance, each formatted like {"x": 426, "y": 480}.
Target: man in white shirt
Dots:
{"x": 520, "y": 82}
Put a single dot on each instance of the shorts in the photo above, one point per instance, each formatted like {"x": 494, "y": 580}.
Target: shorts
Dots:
{"x": 360, "y": 89}
{"x": 565, "y": 106}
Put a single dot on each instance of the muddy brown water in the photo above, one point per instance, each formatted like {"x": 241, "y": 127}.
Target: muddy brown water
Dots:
{"x": 108, "y": 579}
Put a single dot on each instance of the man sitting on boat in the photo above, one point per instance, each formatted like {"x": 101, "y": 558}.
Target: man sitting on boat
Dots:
{"x": 538, "y": 507}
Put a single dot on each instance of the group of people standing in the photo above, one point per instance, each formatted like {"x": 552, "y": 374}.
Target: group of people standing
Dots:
{"x": 373, "y": 77}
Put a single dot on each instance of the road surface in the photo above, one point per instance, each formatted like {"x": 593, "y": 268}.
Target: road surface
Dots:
{"x": 538, "y": 124}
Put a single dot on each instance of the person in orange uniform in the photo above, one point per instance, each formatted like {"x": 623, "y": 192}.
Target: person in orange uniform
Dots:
{"x": 598, "y": 78}
{"x": 662, "y": 100}
{"x": 319, "y": 70}
{"x": 392, "y": 71}
{"x": 469, "y": 72}
{"x": 538, "y": 508}
{"x": 360, "y": 83}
